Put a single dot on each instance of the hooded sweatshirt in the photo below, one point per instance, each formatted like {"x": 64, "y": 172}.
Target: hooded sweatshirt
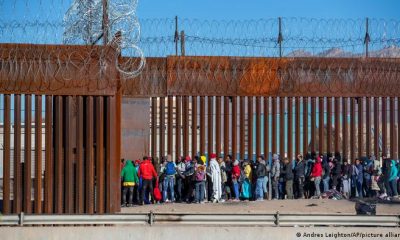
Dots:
{"x": 317, "y": 169}
{"x": 236, "y": 170}
{"x": 393, "y": 171}
{"x": 129, "y": 174}
{"x": 147, "y": 171}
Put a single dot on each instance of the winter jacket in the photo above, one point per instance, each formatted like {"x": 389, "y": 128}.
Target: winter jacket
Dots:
{"x": 129, "y": 175}
{"x": 224, "y": 176}
{"x": 276, "y": 167}
{"x": 326, "y": 168}
{"x": 393, "y": 171}
{"x": 337, "y": 169}
{"x": 346, "y": 171}
{"x": 317, "y": 168}
{"x": 147, "y": 171}
{"x": 358, "y": 172}
{"x": 287, "y": 172}
{"x": 261, "y": 170}
{"x": 236, "y": 172}
{"x": 299, "y": 169}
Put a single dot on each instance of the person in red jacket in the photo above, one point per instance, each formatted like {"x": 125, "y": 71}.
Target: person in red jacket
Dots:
{"x": 235, "y": 178}
{"x": 316, "y": 175}
{"x": 147, "y": 172}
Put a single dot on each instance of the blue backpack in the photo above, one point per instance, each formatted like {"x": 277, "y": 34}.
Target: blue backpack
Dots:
{"x": 170, "y": 169}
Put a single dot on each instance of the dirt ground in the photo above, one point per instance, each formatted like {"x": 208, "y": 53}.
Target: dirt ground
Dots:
{"x": 306, "y": 206}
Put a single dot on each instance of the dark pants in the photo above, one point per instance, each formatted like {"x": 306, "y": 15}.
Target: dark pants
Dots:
{"x": 299, "y": 187}
{"x": 335, "y": 182}
{"x": 179, "y": 189}
{"x": 124, "y": 192}
{"x": 189, "y": 188}
{"x": 147, "y": 186}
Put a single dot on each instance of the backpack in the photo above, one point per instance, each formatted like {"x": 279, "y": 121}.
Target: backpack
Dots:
{"x": 200, "y": 176}
{"x": 170, "y": 169}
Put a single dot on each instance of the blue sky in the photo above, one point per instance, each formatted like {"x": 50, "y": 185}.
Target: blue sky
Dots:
{"x": 255, "y": 9}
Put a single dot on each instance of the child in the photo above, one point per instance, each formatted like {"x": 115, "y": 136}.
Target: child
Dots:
{"x": 374, "y": 183}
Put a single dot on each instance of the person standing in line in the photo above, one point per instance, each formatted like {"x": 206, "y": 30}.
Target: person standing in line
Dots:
{"x": 299, "y": 177}
{"x": 358, "y": 177}
{"x": 275, "y": 173}
{"x": 336, "y": 173}
{"x": 215, "y": 172}
{"x": 260, "y": 173}
{"x": 346, "y": 178}
{"x": 235, "y": 179}
{"x": 169, "y": 180}
{"x": 287, "y": 172}
{"x": 130, "y": 179}
{"x": 316, "y": 176}
{"x": 393, "y": 178}
{"x": 180, "y": 177}
{"x": 228, "y": 170}
{"x": 326, "y": 172}
{"x": 265, "y": 182}
{"x": 224, "y": 177}
{"x": 246, "y": 184}
{"x": 200, "y": 178}
{"x": 147, "y": 173}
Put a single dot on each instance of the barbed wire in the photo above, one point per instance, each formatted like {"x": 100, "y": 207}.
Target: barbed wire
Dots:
{"x": 76, "y": 27}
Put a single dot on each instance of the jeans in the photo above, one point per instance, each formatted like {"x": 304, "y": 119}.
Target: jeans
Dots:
{"x": 260, "y": 188}
{"x": 125, "y": 191}
{"x": 289, "y": 189}
{"x": 199, "y": 192}
{"x": 169, "y": 182}
{"x": 317, "y": 182}
{"x": 299, "y": 186}
{"x": 393, "y": 186}
{"x": 359, "y": 184}
{"x": 325, "y": 181}
{"x": 236, "y": 189}
{"x": 265, "y": 184}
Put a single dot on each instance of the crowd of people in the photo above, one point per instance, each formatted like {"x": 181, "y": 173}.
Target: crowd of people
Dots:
{"x": 219, "y": 179}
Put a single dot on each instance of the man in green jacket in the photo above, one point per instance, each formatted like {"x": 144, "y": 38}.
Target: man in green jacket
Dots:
{"x": 129, "y": 178}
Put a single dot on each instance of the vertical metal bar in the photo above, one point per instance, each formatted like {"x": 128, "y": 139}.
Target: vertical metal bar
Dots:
{"x": 178, "y": 126}
{"x": 313, "y": 123}
{"x": 28, "y": 157}
{"x": 182, "y": 43}
{"x": 218, "y": 125}
{"x": 115, "y": 165}
{"x": 80, "y": 194}
{"x": 321, "y": 125}
{"x": 210, "y": 128}
{"x": 185, "y": 116}
{"x": 384, "y": 126}
{"x": 290, "y": 128}
{"x": 274, "y": 125}
{"x": 7, "y": 155}
{"x": 112, "y": 159}
{"x": 234, "y": 127}
{"x": 153, "y": 126}
{"x": 38, "y": 149}
{"x": 392, "y": 129}
{"x": 352, "y": 129}
{"x": 89, "y": 155}
{"x": 202, "y": 126}
{"x": 226, "y": 126}
{"x": 282, "y": 126}
{"x": 360, "y": 126}
{"x": 250, "y": 128}
{"x": 69, "y": 165}
{"x": 162, "y": 126}
{"x": 305, "y": 125}
{"x": 298, "y": 132}
{"x": 100, "y": 155}
{"x": 376, "y": 127}
{"x": 345, "y": 128}
{"x": 329, "y": 125}
{"x": 266, "y": 127}
{"x": 368, "y": 126}
{"x": 337, "y": 124}
{"x": 170, "y": 125}
{"x": 58, "y": 154}
{"x": 49, "y": 163}
{"x": 194, "y": 126}
{"x": 17, "y": 156}
{"x": 258, "y": 126}
{"x": 242, "y": 127}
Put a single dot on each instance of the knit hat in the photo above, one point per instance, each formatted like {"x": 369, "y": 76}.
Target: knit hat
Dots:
{"x": 235, "y": 163}
{"x": 213, "y": 155}
{"x": 275, "y": 157}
